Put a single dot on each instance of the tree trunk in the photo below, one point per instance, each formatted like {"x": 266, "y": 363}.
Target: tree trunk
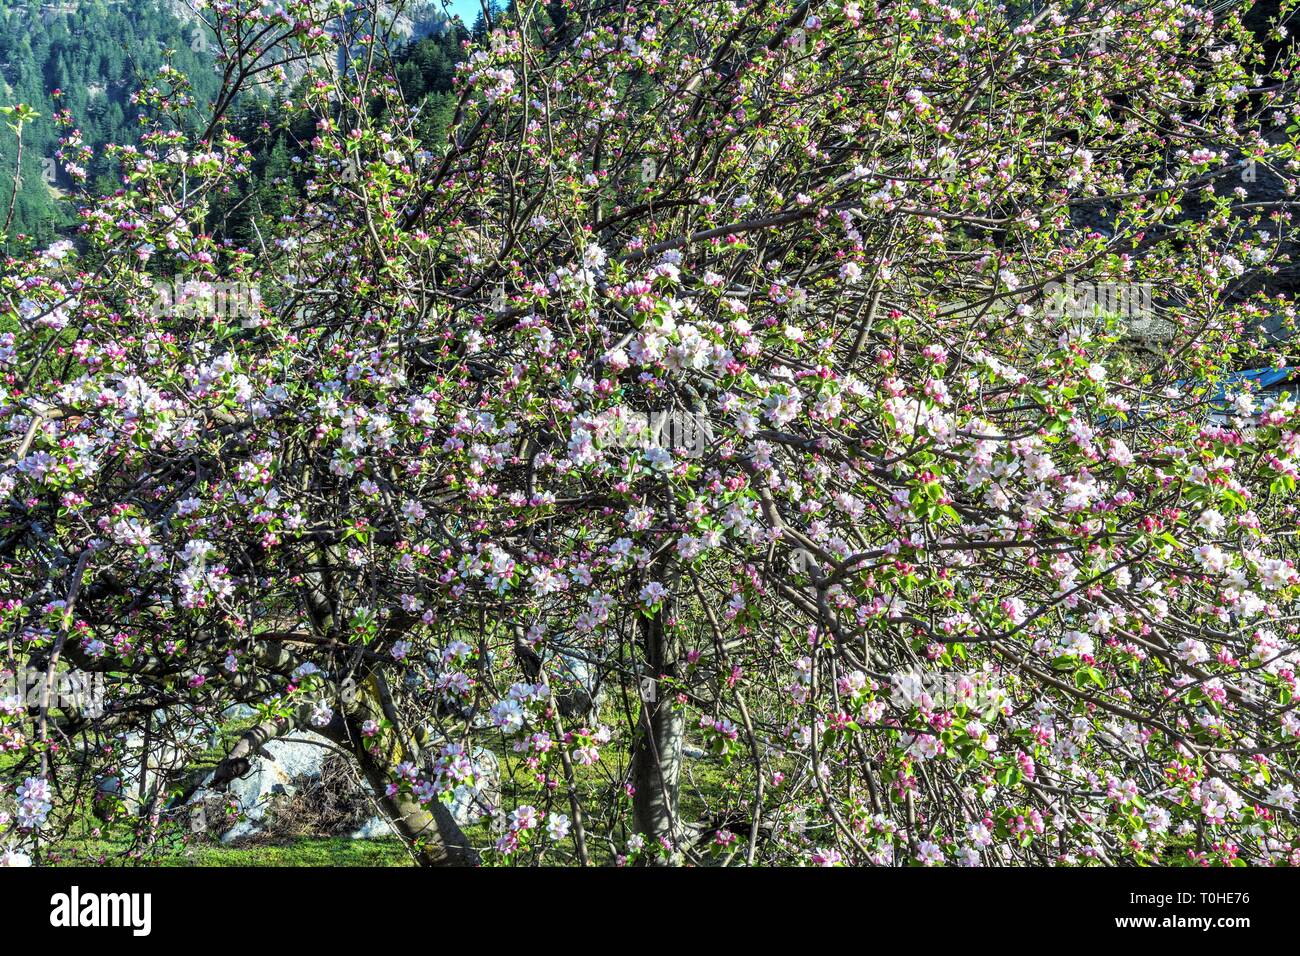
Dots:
{"x": 657, "y": 756}
{"x": 429, "y": 831}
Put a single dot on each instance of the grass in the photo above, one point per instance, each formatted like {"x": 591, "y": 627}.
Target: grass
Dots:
{"x": 300, "y": 851}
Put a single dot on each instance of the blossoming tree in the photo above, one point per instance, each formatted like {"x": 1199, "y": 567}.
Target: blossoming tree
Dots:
{"x": 714, "y": 358}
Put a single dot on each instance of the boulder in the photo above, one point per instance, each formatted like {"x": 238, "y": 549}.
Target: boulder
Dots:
{"x": 165, "y": 766}
{"x": 302, "y": 783}
{"x": 284, "y": 765}
{"x": 376, "y": 828}
{"x": 579, "y": 690}
{"x": 471, "y": 804}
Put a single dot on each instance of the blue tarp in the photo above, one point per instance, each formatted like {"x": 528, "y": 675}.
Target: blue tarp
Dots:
{"x": 1257, "y": 379}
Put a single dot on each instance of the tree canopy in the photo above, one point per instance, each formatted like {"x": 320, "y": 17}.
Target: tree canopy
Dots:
{"x": 853, "y": 388}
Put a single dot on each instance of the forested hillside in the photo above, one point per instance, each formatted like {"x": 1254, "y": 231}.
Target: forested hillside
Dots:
{"x": 88, "y": 60}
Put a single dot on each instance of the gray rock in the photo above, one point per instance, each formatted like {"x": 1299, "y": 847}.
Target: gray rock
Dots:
{"x": 376, "y": 828}
{"x": 471, "y": 804}
{"x": 166, "y": 764}
{"x": 578, "y": 687}
{"x": 295, "y": 762}
{"x": 292, "y": 761}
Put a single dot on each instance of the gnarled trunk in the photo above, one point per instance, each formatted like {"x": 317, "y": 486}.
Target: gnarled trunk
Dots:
{"x": 429, "y": 831}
